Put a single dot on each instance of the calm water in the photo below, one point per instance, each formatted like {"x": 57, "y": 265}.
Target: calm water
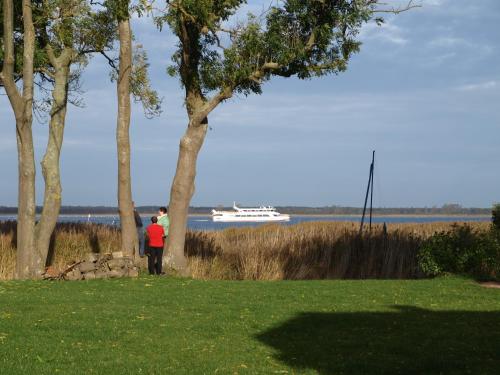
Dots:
{"x": 205, "y": 222}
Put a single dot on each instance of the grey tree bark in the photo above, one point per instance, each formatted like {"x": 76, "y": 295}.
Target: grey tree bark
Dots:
{"x": 50, "y": 162}
{"x": 183, "y": 187}
{"x": 22, "y": 105}
{"x": 198, "y": 108}
{"x": 129, "y": 241}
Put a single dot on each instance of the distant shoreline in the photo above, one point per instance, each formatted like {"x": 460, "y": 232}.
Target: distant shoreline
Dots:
{"x": 378, "y": 215}
{"x": 292, "y": 214}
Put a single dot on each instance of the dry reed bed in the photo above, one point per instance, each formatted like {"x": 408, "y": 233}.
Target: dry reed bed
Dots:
{"x": 314, "y": 250}
{"x": 70, "y": 242}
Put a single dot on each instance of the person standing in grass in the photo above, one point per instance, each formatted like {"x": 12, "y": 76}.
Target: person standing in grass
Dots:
{"x": 140, "y": 230}
{"x": 156, "y": 236}
{"x": 163, "y": 219}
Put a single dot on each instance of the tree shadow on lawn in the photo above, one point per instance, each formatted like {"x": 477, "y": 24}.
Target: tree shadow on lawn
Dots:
{"x": 407, "y": 341}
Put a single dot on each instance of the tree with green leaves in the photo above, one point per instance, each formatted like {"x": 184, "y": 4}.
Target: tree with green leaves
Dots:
{"x": 70, "y": 33}
{"x": 13, "y": 50}
{"x": 215, "y": 60}
{"x": 131, "y": 79}
{"x": 61, "y": 35}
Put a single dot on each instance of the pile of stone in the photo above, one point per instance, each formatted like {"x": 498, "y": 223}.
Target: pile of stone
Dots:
{"x": 98, "y": 266}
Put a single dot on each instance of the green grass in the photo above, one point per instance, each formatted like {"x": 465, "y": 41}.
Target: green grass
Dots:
{"x": 179, "y": 326}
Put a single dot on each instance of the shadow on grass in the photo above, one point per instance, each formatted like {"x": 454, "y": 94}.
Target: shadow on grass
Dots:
{"x": 407, "y": 341}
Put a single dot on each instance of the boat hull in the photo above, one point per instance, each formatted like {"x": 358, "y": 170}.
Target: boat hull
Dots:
{"x": 282, "y": 218}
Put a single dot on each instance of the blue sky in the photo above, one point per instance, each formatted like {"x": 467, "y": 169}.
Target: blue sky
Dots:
{"x": 424, "y": 92}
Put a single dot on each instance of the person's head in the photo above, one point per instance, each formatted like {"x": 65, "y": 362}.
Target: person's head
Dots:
{"x": 154, "y": 219}
{"x": 162, "y": 210}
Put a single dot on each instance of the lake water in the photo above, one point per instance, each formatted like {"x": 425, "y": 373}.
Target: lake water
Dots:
{"x": 206, "y": 223}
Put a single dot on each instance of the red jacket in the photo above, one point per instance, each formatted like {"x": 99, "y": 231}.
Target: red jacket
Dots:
{"x": 155, "y": 234}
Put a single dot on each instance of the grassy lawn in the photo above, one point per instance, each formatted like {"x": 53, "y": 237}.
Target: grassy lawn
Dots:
{"x": 180, "y": 326}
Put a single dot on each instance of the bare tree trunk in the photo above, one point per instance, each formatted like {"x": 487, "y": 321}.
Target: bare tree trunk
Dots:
{"x": 22, "y": 105}
{"x": 129, "y": 241}
{"x": 182, "y": 191}
{"x": 198, "y": 109}
{"x": 26, "y": 199}
{"x": 50, "y": 162}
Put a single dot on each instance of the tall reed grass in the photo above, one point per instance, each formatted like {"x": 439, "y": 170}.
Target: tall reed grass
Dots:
{"x": 314, "y": 250}
{"x": 70, "y": 242}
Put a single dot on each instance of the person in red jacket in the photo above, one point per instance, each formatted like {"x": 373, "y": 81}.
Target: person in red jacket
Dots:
{"x": 155, "y": 235}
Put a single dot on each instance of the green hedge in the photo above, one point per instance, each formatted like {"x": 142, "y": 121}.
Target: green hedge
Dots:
{"x": 496, "y": 216}
{"x": 462, "y": 250}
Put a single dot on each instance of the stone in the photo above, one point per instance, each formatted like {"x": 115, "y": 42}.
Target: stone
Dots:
{"x": 87, "y": 266}
{"x": 92, "y": 257}
{"x": 75, "y": 274}
{"x": 100, "y": 274}
{"x": 129, "y": 262}
{"x": 117, "y": 263}
{"x": 133, "y": 272}
{"x": 104, "y": 257}
{"x": 99, "y": 266}
{"x": 117, "y": 254}
{"x": 116, "y": 273}
{"x": 50, "y": 271}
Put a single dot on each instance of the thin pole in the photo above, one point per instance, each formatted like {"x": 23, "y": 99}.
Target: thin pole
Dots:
{"x": 370, "y": 182}
{"x": 371, "y": 193}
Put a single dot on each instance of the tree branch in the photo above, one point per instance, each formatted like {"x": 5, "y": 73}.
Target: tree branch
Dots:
{"x": 212, "y": 103}
{"x": 227, "y": 92}
{"x": 47, "y": 74}
{"x": 8, "y": 64}
{"x": 257, "y": 75}
{"x": 28, "y": 56}
{"x": 111, "y": 62}
{"x": 51, "y": 55}
{"x": 219, "y": 44}
{"x": 183, "y": 11}
{"x": 393, "y": 10}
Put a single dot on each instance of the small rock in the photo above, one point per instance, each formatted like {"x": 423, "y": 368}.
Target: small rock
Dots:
{"x": 100, "y": 274}
{"x": 74, "y": 274}
{"x": 87, "y": 266}
{"x": 117, "y": 254}
{"x": 50, "y": 272}
{"x": 116, "y": 273}
{"x": 92, "y": 257}
{"x": 117, "y": 263}
{"x": 133, "y": 272}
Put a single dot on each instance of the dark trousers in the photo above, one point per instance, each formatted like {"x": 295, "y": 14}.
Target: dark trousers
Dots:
{"x": 155, "y": 259}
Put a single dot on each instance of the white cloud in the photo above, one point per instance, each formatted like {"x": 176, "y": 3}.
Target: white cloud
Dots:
{"x": 436, "y": 3}
{"x": 448, "y": 41}
{"x": 349, "y": 112}
{"x": 385, "y": 33}
{"x": 479, "y": 86}
{"x": 442, "y": 48}
{"x": 436, "y": 60}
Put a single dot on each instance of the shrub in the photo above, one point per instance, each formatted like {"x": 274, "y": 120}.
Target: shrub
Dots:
{"x": 462, "y": 250}
{"x": 495, "y": 216}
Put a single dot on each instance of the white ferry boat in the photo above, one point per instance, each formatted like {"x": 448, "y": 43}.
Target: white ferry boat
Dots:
{"x": 261, "y": 214}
